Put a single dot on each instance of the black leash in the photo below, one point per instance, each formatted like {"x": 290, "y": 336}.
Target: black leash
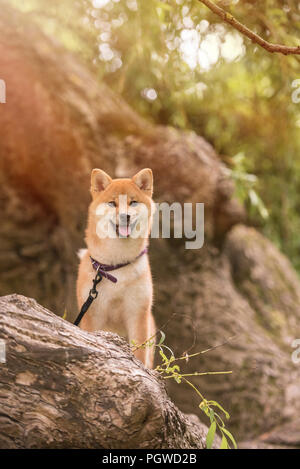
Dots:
{"x": 102, "y": 270}
{"x": 92, "y": 296}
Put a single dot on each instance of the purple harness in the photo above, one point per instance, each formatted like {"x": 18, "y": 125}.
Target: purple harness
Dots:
{"x": 103, "y": 269}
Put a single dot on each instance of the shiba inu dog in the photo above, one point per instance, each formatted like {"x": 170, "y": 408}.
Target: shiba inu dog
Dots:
{"x": 119, "y": 223}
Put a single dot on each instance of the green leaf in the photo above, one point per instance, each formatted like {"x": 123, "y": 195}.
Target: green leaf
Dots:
{"x": 211, "y": 435}
{"x": 224, "y": 444}
{"x": 175, "y": 368}
{"x": 211, "y": 415}
{"x": 162, "y": 338}
{"x": 171, "y": 351}
{"x": 227, "y": 432}
{"x": 216, "y": 404}
{"x": 258, "y": 203}
{"x": 163, "y": 356}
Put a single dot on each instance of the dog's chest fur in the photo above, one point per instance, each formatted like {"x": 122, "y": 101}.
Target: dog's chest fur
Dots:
{"x": 117, "y": 303}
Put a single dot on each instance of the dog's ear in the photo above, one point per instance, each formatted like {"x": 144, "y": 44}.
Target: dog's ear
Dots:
{"x": 99, "y": 181}
{"x": 144, "y": 180}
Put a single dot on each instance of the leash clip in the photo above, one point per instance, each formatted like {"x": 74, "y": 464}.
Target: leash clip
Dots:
{"x": 97, "y": 279}
{"x": 93, "y": 293}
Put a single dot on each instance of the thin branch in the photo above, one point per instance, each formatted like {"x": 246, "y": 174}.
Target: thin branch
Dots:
{"x": 199, "y": 374}
{"x": 187, "y": 357}
{"x": 228, "y": 18}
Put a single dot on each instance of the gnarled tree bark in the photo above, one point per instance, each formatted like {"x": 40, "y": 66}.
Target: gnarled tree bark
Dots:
{"x": 64, "y": 388}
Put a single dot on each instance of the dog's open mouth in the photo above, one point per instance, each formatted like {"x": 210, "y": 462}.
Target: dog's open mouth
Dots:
{"x": 123, "y": 230}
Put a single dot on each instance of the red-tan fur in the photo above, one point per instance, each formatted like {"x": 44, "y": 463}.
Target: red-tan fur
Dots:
{"x": 123, "y": 307}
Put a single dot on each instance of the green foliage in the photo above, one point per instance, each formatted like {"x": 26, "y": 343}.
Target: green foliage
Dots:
{"x": 168, "y": 369}
{"x": 245, "y": 184}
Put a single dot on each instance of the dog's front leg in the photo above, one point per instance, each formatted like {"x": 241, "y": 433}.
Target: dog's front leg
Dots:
{"x": 140, "y": 330}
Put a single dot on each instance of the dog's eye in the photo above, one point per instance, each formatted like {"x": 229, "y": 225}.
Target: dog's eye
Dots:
{"x": 133, "y": 203}
{"x": 111, "y": 204}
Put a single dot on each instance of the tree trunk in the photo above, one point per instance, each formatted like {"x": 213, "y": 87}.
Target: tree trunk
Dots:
{"x": 64, "y": 388}
{"x": 285, "y": 436}
{"x": 249, "y": 293}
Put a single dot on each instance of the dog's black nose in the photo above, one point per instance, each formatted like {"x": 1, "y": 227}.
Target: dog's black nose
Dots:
{"x": 124, "y": 218}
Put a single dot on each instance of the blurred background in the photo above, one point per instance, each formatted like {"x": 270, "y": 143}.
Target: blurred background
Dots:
{"x": 177, "y": 64}
{"x": 127, "y": 84}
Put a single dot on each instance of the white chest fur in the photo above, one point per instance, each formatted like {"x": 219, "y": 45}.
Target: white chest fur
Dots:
{"x": 120, "y": 303}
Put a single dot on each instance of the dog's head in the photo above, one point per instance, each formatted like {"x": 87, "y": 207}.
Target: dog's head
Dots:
{"x": 122, "y": 207}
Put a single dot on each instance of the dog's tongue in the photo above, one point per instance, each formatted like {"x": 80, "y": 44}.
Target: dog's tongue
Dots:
{"x": 124, "y": 230}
